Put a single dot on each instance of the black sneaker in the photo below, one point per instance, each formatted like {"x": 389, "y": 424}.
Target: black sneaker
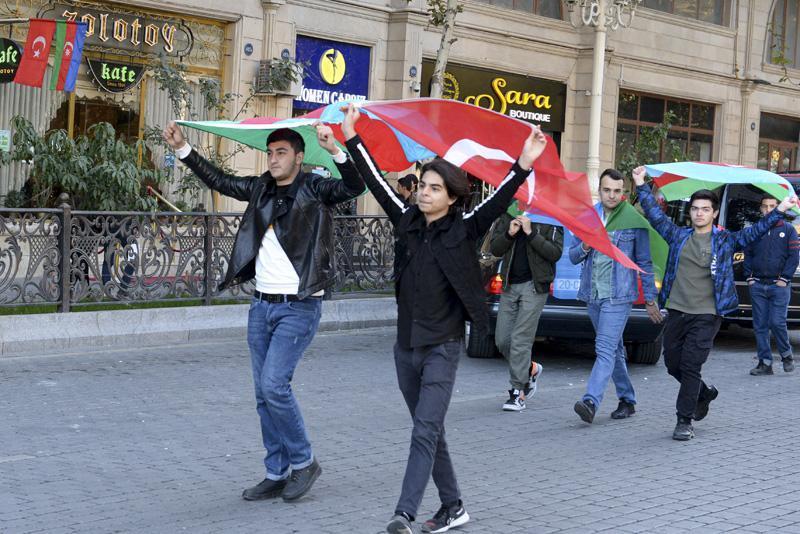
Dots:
{"x": 446, "y": 518}
{"x": 585, "y": 410}
{"x": 515, "y": 402}
{"x": 400, "y": 524}
{"x": 762, "y": 369}
{"x": 683, "y": 430}
{"x": 301, "y": 480}
{"x": 624, "y": 410}
{"x": 708, "y": 395}
{"x": 788, "y": 364}
{"x": 266, "y": 489}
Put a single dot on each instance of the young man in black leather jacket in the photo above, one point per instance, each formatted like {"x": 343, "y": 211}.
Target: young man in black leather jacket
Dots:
{"x": 285, "y": 242}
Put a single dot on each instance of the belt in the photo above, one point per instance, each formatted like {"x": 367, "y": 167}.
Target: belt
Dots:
{"x": 273, "y": 298}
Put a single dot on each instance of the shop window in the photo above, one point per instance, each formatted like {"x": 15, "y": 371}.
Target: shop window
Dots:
{"x": 692, "y": 128}
{"x": 778, "y": 143}
{"x": 783, "y": 31}
{"x": 88, "y": 112}
{"x": 545, "y": 8}
{"x": 713, "y": 11}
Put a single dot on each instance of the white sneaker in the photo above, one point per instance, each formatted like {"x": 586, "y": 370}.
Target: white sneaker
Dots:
{"x": 515, "y": 402}
{"x": 531, "y": 389}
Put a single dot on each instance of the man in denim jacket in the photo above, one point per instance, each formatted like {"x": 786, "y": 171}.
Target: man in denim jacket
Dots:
{"x": 698, "y": 290}
{"x": 609, "y": 291}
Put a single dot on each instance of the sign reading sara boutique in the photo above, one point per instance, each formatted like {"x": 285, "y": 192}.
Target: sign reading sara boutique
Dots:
{"x": 530, "y": 99}
{"x": 122, "y": 31}
{"x": 334, "y": 71}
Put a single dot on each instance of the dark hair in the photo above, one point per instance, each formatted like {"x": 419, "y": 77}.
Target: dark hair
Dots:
{"x": 614, "y": 174}
{"x": 292, "y": 137}
{"x": 408, "y": 181}
{"x": 767, "y": 196}
{"x": 705, "y": 194}
{"x": 455, "y": 180}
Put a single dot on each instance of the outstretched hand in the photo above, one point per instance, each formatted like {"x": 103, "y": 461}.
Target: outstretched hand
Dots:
{"x": 639, "y": 174}
{"x": 173, "y": 135}
{"x": 788, "y": 203}
{"x": 533, "y": 148}
{"x": 351, "y": 116}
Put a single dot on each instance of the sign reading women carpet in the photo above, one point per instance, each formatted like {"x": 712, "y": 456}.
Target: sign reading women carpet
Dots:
{"x": 333, "y": 72}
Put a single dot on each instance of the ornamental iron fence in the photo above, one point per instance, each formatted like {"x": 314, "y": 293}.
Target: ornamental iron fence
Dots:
{"x": 71, "y": 258}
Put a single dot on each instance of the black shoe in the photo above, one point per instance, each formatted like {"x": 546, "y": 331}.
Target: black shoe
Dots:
{"x": 400, "y": 524}
{"x": 623, "y": 411}
{"x": 701, "y": 410}
{"x": 446, "y": 518}
{"x": 515, "y": 402}
{"x": 788, "y": 364}
{"x": 266, "y": 489}
{"x": 683, "y": 430}
{"x": 301, "y": 481}
{"x": 585, "y": 410}
{"x": 762, "y": 369}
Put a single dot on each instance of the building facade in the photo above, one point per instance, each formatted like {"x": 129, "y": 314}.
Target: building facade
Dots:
{"x": 727, "y": 70}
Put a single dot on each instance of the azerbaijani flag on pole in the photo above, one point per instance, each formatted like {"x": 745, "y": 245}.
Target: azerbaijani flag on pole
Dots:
{"x": 70, "y": 37}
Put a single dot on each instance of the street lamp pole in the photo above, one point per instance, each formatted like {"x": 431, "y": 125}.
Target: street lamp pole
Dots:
{"x": 603, "y": 15}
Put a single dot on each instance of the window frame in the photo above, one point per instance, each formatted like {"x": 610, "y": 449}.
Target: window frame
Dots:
{"x": 638, "y": 123}
{"x": 535, "y": 11}
{"x": 793, "y": 58}
{"x": 725, "y": 16}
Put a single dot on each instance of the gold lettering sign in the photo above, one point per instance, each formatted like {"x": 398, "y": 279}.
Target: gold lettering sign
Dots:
{"x": 504, "y": 98}
{"x": 132, "y": 33}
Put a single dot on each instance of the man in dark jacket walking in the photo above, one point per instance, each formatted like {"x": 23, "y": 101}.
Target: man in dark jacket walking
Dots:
{"x": 438, "y": 287}
{"x": 530, "y": 252}
{"x": 769, "y": 265}
{"x": 698, "y": 290}
{"x": 285, "y": 242}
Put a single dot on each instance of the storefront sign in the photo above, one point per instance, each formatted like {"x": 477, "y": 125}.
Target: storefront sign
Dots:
{"x": 335, "y": 71}
{"x": 5, "y": 140}
{"x": 126, "y": 32}
{"x": 530, "y": 99}
{"x": 115, "y": 77}
{"x": 10, "y": 56}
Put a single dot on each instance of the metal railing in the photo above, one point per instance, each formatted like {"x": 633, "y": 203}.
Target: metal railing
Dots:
{"x": 74, "y": 258}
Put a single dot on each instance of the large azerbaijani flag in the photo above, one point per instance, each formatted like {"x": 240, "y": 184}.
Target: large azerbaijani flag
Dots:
{"x": 481, "y": 142}
{"x": 679, "y": 180}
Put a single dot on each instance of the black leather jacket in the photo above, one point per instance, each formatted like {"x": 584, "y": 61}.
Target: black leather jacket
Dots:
{"x": 303, "y": 223}
{"x": 455, "y": 249}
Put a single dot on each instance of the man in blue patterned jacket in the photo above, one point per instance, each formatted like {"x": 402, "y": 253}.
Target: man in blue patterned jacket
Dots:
{"x": 698, "y": 290}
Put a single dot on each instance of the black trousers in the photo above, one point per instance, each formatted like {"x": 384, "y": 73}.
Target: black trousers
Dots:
{"x": 688, "y": 339}
{"x": 426, "y": 377}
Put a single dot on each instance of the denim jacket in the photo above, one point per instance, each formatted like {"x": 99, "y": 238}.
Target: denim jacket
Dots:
{"x": 634, "y": 243}
{"x": 723, "y": 245}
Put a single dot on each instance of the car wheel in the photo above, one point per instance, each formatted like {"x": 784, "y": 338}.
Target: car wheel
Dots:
{"x": 481, "y": 346}
{"x": 647, "y": 353}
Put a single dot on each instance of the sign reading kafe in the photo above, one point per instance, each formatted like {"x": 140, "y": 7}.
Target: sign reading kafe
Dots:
{"x": 10, "y": 56}
{"x": 530, "y": 99}
{"x": 115, "y": 77}
{"x": 125, "y": 32}
{"x": 334, "y": 72}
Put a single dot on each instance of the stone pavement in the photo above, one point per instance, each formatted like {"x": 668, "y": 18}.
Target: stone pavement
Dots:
{"x": 163, "y": 439}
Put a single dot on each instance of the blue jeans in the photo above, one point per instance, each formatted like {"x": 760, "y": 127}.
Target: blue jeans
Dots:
{"x": 277, "y": 335}
{"x": 770, "y": 306}
{"x": 609, "y": 319}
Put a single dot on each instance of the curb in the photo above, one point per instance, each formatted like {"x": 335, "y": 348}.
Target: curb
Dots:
{"x": 37, "y": 334}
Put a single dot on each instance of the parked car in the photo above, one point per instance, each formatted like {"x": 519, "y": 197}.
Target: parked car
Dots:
{"x": 565, "y": 317}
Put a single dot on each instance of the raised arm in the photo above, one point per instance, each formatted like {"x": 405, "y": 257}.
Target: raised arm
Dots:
{"x": 331, "y": 190}
{"x": 480, "y": 219}
{"x": 227, "y": 184}
{"x": 661, "y": 223}
{"x": 391, "y": 203}
{"x": 748, "y": 235}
